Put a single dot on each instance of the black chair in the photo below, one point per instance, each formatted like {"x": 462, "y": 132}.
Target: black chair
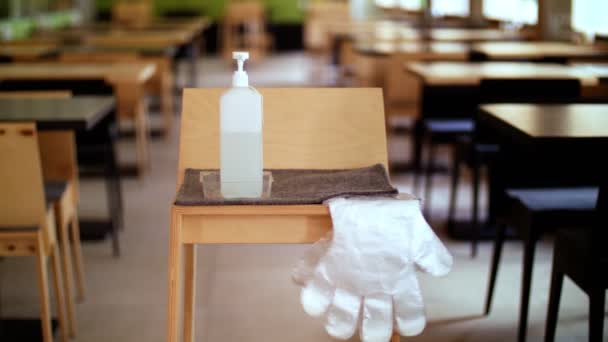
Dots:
{"x": 447, "y": 116}
{"x": 480, "y": 151}
{"x": 581, "y": 255}
{"x": 565, "y": 196}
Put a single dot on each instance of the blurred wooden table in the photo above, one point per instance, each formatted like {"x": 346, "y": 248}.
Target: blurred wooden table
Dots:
{"x": 597, "y": 92}
{"x": 89, "y": 116}
{"x": 161, "y": 84}
{"x": 538, "y": 51}
{"x": 26, "y": 53}
{"x": 128, "y": 81}
{"x": 469, "y": 73}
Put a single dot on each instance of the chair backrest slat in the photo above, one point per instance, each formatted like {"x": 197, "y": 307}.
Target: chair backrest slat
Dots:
{"x": 304, "y": 128}
{"x": 22, "y": 191}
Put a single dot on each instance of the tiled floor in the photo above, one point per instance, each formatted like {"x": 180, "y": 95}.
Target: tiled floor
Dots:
{"x": 245, "y": 292}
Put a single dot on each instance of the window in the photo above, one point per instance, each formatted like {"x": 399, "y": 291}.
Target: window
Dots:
{"x": 410, "y": 5}
{"x": 590, "y": 16}
{"x": 458, "y": 8}
{"x": 513, "y": 11}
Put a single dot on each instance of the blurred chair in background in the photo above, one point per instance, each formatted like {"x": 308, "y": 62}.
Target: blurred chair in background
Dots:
{"x": 60, "y": 174}
{"x": 132, "y": 13}
{"x": 27, "y": 220}
{"x": 244, "y": 28}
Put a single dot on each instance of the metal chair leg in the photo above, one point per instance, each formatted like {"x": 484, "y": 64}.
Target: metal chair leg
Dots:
{"x": 475, "y": 212}
{"x": 597, "y": 301}
{"x": 428, "y": 181}
{"x": 557, "y": 279}
{"x": 498, "y": 243}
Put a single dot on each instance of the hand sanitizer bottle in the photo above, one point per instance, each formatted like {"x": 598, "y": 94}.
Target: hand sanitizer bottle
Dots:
{"x": 241, "y": 121}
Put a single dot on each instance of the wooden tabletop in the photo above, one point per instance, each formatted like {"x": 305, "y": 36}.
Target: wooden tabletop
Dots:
{"x": 148, "y": 38}
{"x": 572, "y": 121}
{"x": 600, "y": 70}
{"x": 384, "y": 30}
{"x": 475, "y": 35}
{"x": 117, "y": 72}
{"x": 418, "y": 50}
{"x": 537, "y": 50}
{"x": 76, "y": 113}
{"x": 27, "y": 52}
{"x": 469, "y": 73}
{"x": 168, "y": 51}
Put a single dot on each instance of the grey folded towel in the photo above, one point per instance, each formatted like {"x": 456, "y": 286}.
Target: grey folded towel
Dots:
{"x": 294, "y": 187}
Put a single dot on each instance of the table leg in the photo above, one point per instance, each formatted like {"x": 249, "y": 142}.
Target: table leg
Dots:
{"x": 131, "y": 105}
{"x": 189, "y": 291}
{"x": 176, "y": 268}
{"x": 395, "y": 337}
{"x": 195, "y": 47}
{"x": 166, "y": 97}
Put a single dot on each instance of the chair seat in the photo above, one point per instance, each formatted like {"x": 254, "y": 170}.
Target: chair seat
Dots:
{"x": 557, "y": 199}
{"x": 53, "y": 190}
{"x": 454, "y": 126}
{"x": 475, "y": 154}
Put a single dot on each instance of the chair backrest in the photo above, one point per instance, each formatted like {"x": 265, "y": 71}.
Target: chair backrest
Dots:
{"x": 57, "y": 148}
{"x": 22, "y": 195}
{"x": 99, "y": 57}
{"x": 304, "y": 128}
{"x": 132, "y": 13}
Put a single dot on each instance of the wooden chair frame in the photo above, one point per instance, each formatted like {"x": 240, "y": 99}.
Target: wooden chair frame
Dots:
{"x": 323, "y": 128}
{"x": 28, "y": 225}
{"x": 160, "y": 84}
{"x": 58, "y": 162}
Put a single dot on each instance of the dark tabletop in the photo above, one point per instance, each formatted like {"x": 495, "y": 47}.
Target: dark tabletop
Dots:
{"x": 77, "y": 113}
{"x": 572, "y": 122}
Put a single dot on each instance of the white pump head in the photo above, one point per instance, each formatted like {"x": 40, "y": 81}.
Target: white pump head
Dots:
{"x": 240, "y": 78}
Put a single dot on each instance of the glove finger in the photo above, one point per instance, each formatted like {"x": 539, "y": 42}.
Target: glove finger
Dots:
{"x": 316, "y": 296}
{"x": 305, "y": 268}
{"x": 343, "y": 315}
{"x": 377, "y": 325}
{"x": 409, "y": 308}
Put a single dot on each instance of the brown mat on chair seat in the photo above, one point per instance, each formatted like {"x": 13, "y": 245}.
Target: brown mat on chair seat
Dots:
{"x": 293, "y": 187}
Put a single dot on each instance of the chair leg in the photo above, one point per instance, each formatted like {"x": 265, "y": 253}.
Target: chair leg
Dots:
{"x": 66, "y": 260}
{"x": 114, "y": 196}
{"x": 59, "y": 295}
{"x": 475, "y": 212}
{"x": 77, "y": 257}
{"x": 189, "y": 291}
{"x": 498, "y": 243}
{"x": 597, "y": 301}
{"x": 429, "y": 178}
{"x": 526, "y": 282}
{"x": 417, "y": 142}
{"x": 454, "y": 188}
{"x": 43, "y": 288}
{"x": 557, "y": 279}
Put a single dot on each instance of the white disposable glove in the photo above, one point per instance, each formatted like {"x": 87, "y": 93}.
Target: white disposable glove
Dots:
{"x": 369, "y": 266}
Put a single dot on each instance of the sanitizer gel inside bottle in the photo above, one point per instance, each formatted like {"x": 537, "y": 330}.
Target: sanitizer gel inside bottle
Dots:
{"x": 241, "y": 120}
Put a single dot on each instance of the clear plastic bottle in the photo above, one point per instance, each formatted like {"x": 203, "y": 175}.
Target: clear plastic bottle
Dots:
{"x": 241, "y": 122}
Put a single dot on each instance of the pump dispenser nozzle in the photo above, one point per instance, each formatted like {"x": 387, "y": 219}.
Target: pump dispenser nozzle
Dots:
{"x": 240, "y": 78}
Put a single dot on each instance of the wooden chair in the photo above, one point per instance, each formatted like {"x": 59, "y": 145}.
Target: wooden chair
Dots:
{"x": 161, "y": 84}
{"x": 304, "y": 128}
{"x": 244, "y": 28}
{"x": 60, "y": 174}
{"x": 135, "y": 14}
{"x": 27, "y": 220}
{"x": 581, "y": 255}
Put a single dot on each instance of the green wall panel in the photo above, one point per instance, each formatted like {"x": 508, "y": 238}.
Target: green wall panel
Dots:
{"x": 280, "y": 11}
